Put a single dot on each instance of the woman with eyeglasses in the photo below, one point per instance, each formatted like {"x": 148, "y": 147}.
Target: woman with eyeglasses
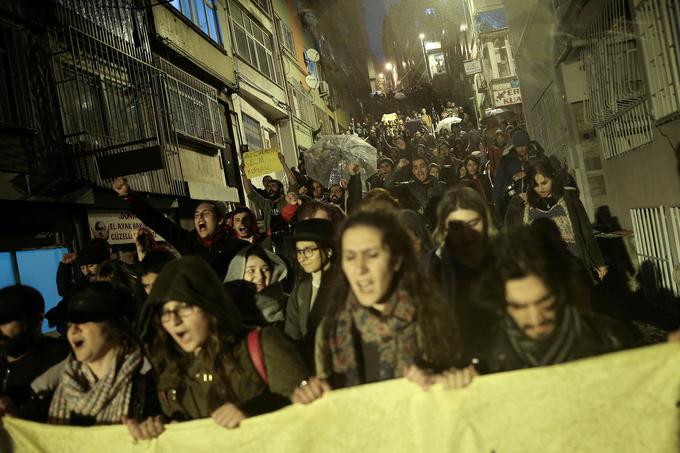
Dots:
{"x": 386, "y": 319}
{"x": 464, "y": 226}
{"x": 314, "y": 247}
{"x": 207, "y": 364}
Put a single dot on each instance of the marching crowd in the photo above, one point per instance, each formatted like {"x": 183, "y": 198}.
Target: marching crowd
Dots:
{"x": 467, "y": 253}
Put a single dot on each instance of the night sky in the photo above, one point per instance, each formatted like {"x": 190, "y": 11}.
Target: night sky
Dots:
{"x": 375, "y": 11}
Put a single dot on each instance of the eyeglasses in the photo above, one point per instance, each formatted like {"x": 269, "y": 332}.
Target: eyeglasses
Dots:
{"x": 182, "y": 311}
{"x": 306, "y": 252}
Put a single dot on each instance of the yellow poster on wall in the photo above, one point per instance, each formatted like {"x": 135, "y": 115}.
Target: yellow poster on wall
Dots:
{"x": 622, "y": 402}
{"x": 261, "y": 162}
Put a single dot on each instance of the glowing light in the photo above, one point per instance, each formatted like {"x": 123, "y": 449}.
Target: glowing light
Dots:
{"x": 388, "y": 66}
{"x": 421, "y": 36}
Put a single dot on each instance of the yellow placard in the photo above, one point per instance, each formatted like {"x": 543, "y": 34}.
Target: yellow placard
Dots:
{"x": 623, "y": 402}
{"x": 387, "y": 117}
{"x": 261, "y": 162}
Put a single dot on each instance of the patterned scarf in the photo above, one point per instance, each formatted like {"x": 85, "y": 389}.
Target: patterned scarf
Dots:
{"x": 80, "y": 394}
{"x": 392, "y": 331}
{"x": 552, "y": 351}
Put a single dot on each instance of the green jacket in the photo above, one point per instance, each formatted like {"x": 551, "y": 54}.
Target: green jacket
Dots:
{"x": 188, "y": 394}
{"x": 189, "y": 386}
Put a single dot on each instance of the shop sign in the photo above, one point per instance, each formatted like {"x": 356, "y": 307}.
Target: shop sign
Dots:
{"x": 507, "y": 93}
{"x": 472, "y": 67}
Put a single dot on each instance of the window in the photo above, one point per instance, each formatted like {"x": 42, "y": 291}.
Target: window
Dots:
{"x": 252, "y": 131}
{"x": 502, "y": 59}
{"x": 35, "y": 268}
{"x": 16, "y": 107}
{"x": 203, "y": 13}
{"x": 253, "y": 43}
{"x": 302, "y": 108}
{"x": 263, "y": 5}
{"x": 193, "y": 105}
{"x": 616, "y": 103}
{"x": 98, "y": 106}
{"x": 287, "y": 37}
{"x": 658, "y": 24}
{"x": 6, "y": 270}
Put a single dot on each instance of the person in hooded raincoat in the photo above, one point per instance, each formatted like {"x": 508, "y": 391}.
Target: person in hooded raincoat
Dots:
{"x": 255, "y": 279}
{"x": 207, "y": 364}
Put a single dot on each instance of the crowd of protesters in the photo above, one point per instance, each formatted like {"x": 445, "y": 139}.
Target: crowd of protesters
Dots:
{"x": 468, "y": 252}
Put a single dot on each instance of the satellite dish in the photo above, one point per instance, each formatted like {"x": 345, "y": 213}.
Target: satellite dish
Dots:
{"x": 312, "y": 55}
{"x": 312, "y": 81}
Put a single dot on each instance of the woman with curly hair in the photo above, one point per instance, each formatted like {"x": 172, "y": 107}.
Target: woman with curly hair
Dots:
{"x": 386, "y": 320}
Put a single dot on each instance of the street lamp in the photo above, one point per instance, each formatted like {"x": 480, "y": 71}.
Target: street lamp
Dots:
{"x": 421, "y": 36}
{"x": 388, "y": 66}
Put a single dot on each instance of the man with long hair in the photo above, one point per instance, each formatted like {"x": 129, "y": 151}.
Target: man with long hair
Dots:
{"x": 536, "y": 287}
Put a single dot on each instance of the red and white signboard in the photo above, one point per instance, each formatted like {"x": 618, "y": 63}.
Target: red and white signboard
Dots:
{"x": 115, "y": 227}
{"x": 507, "y": 94}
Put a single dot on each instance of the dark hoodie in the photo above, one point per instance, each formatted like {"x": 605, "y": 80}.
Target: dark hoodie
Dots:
{"x": 420, "y": 193}
{"x": 193, "y": 386}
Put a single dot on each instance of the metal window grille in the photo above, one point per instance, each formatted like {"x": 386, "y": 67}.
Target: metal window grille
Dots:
{"x": 108, "y": 93}
{"x": 194, "y": 109}
{"x": 302, "y": 107}
{"x": 253, "y": 43}
{"x": 616, "y": 104}
{"x": 546, "y": 125}
{"x": 658, "y": 25}
{"x": 287, "y": 37}
{"x": 653, "y": 248}
{"x": 252, "y": 131}
{"x": 263, "y": 4}
{"x": 16, "y": 109}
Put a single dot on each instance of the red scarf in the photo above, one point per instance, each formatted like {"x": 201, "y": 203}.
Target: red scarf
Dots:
{"x": 212, "y": 239}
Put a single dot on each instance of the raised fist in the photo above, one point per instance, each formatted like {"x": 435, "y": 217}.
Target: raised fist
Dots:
{"x": 68, "y": 258}
{"x": 120, "y": 186}
{"x": 353, "y": 169}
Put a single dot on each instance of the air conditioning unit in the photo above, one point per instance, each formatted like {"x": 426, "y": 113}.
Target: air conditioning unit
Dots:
{"x": 324, "y": 91}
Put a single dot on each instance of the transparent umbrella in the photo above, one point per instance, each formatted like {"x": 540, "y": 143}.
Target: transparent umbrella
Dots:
{"x": 447, "y": 122}
{"x": 326, "y": 161}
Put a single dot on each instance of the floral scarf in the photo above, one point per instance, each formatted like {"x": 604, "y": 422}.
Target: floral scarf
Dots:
{"x": 392, "y": 331}
{"x": 105, "y": 400}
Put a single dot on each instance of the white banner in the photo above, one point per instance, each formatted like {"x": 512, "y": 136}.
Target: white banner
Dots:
{"x": 115, "y": 227}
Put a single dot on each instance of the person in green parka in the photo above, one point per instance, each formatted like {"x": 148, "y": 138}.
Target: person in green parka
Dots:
{"x": 207, "y": 364}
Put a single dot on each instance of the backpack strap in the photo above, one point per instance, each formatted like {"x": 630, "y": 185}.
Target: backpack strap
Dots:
{"x": 256, "y": 356}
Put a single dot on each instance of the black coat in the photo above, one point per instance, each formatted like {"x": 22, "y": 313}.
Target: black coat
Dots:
{"x": 598, "y": 335}
{"x": 16, "y": 377}
{"x": 218, "y": 255}
{"x": 301, "y": 321}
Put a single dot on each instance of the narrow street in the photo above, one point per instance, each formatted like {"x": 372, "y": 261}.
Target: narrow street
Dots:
{"x": 214, "y": 209}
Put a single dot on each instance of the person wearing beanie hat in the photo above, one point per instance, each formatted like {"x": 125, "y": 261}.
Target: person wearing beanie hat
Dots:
{"x": 24, "y": 352}
{"x": 314, "y": 242}
{"x": 210, "y": 239}
{"x": 520, "y": 138}
{"x": 510, "y": 181}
